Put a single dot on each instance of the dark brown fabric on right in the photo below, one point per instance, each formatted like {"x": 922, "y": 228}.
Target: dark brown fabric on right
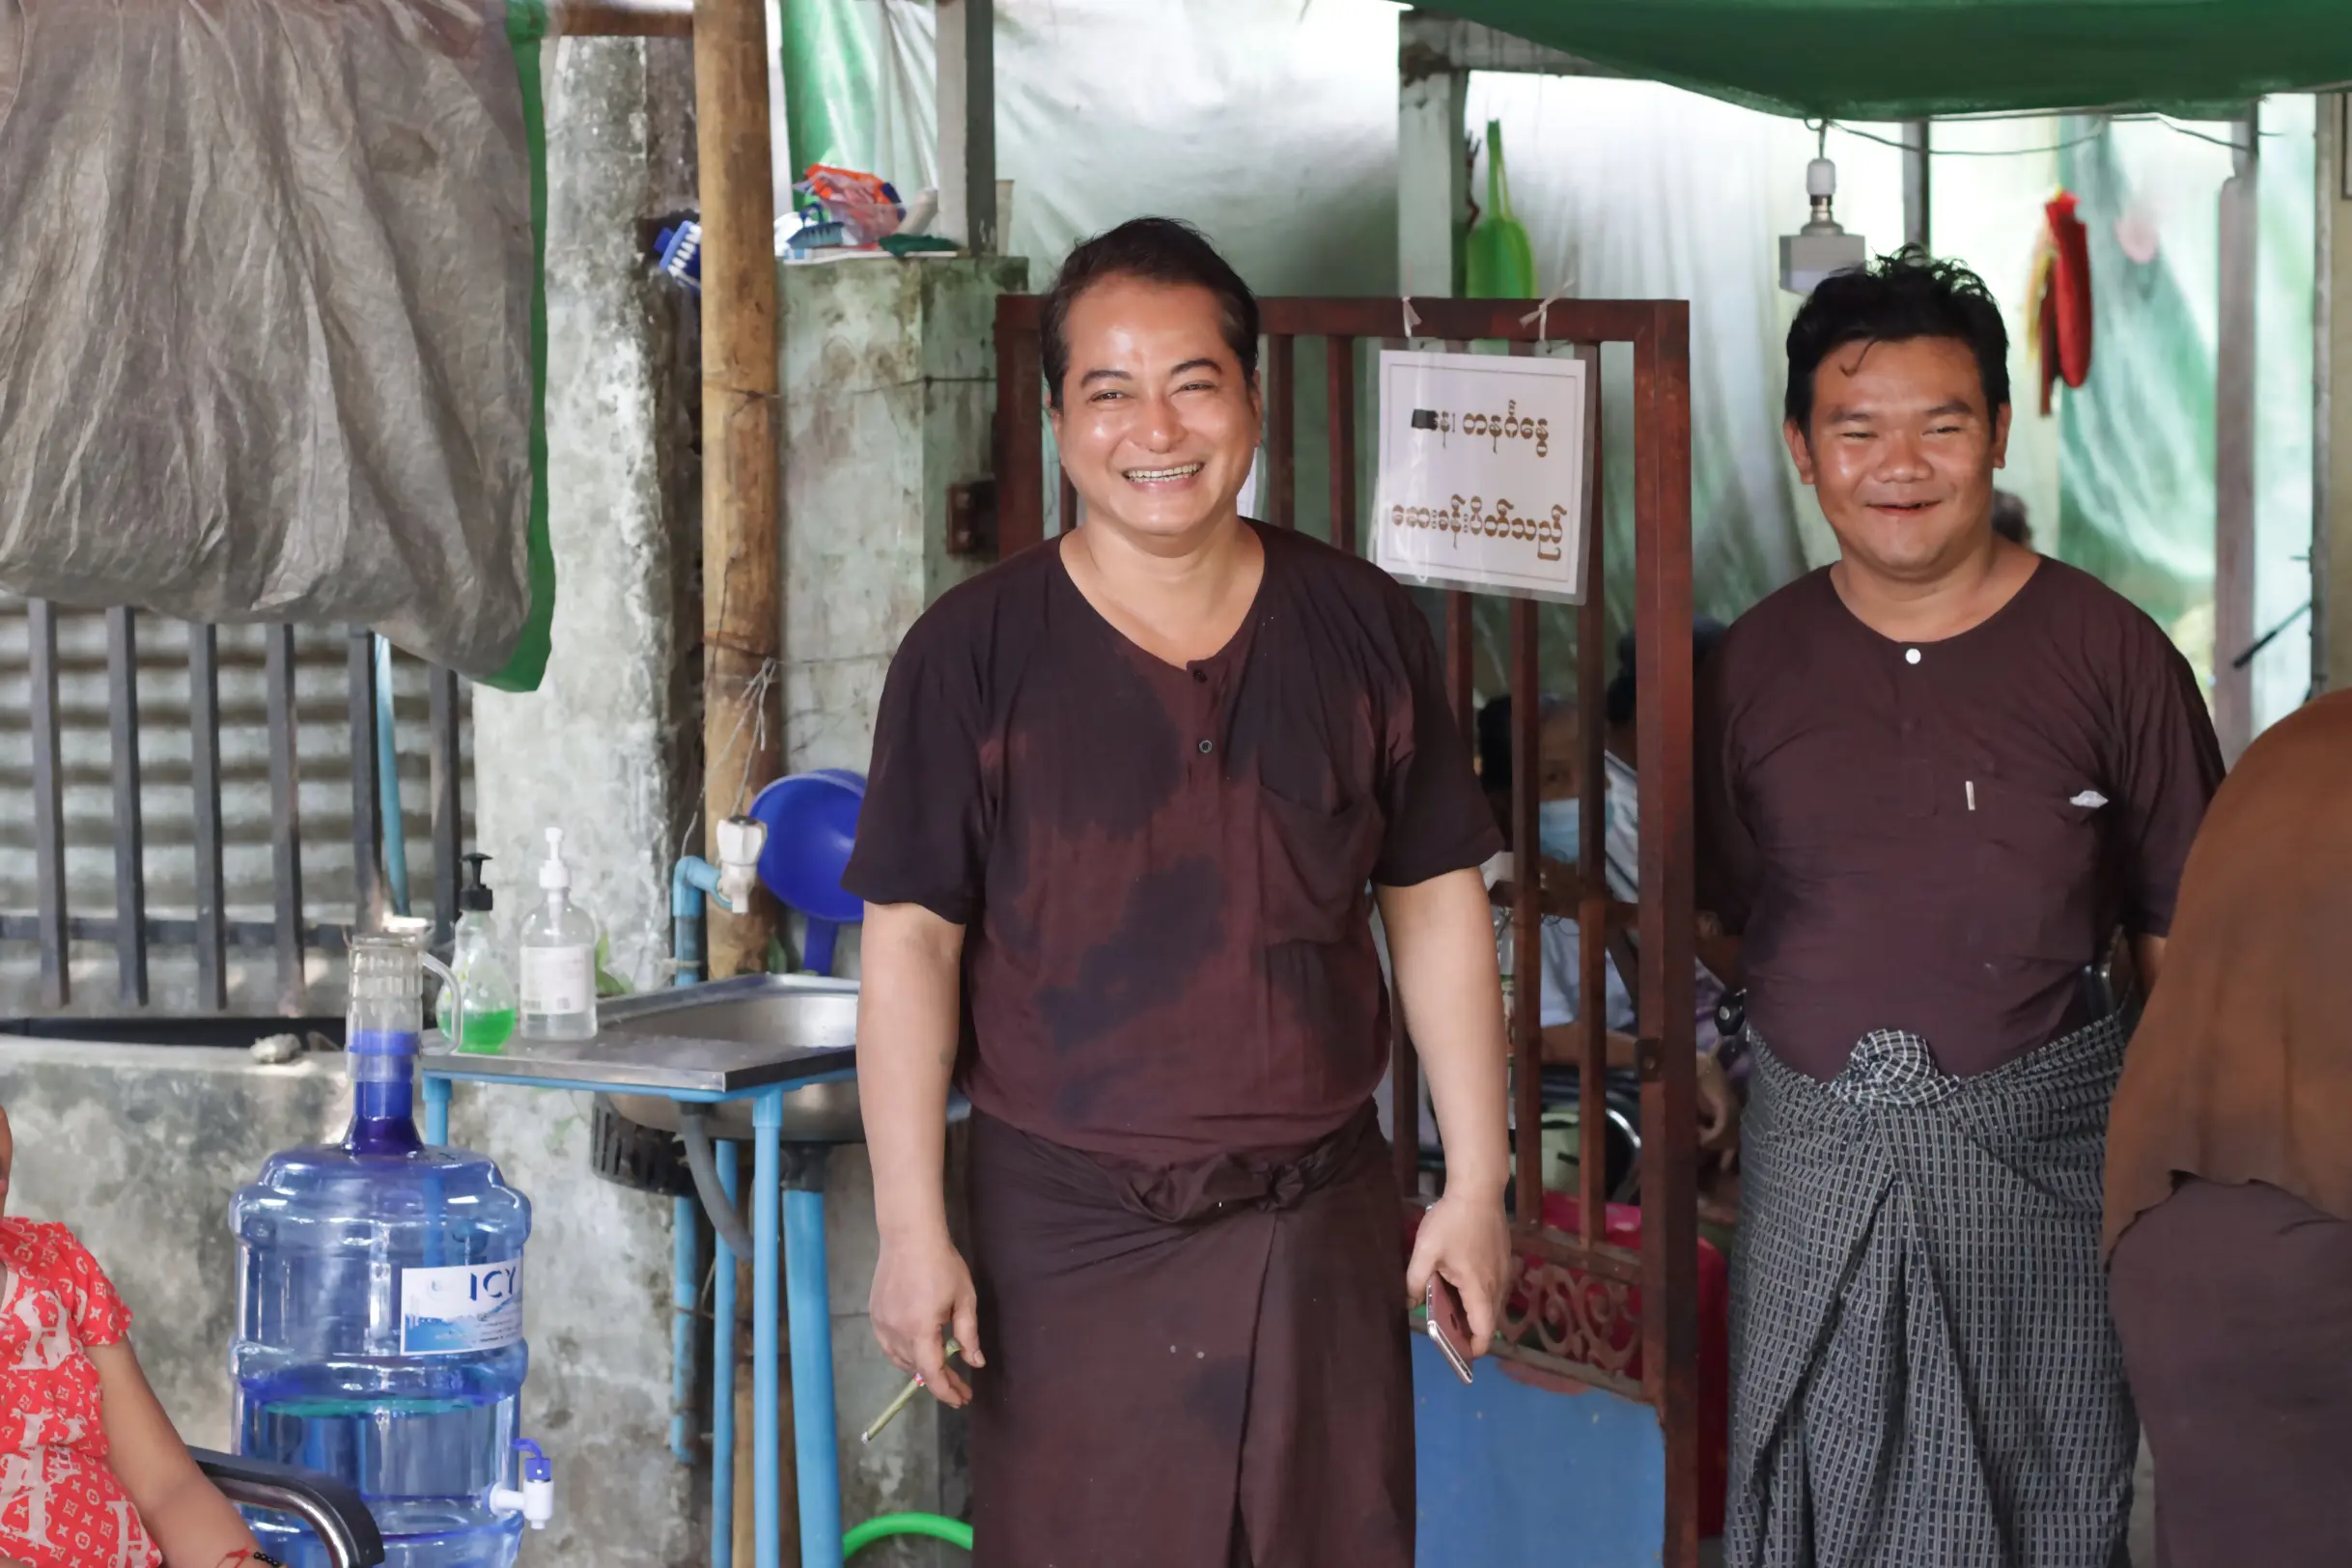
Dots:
{"x": 1191, "y": 1366}
{"x": 2234, "y": 1305}
{"x": 2241, "y": 1069}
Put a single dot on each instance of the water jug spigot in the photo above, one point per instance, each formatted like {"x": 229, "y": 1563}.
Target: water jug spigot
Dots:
{"x": 741, "y": 840}
{"x": 536, "y": 1500}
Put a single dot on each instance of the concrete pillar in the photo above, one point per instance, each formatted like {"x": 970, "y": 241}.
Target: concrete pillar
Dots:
{"x": 1919, "y": 186}
{"x": 889, "y": 377}
{"x": 2233, "y": 445}
{"x": 607, "y": 748}
{"x": 1432, "y": 175}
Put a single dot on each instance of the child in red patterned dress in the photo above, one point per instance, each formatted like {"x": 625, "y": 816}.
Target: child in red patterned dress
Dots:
{"x": 92, "y": 1475}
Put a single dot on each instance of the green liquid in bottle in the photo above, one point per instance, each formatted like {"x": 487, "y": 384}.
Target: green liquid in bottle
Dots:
{"x": 487, "y": 1031}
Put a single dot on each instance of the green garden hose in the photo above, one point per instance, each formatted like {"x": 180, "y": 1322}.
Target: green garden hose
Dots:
{"x": 883, "y": 1526}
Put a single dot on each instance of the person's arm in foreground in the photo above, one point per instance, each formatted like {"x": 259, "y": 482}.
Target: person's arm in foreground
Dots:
{"x": 1442, "y": 950}
{"x": 907, "y": 1030}
{"x": 184, "y": 1513}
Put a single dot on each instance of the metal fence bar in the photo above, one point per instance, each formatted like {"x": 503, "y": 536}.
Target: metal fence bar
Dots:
{"x": 448, "y": 801}
{"x": 1670, "y": 1067}
{"x": 166, "y": 931}
{"x": 130, "y": 831}
{"x": 1020, "y": 457}
{"x": 1592, "y": 956}
{"x": 1526, "y": 914}
{"x": 1282, "y": 426}
{"x": 367, "y": 803}
{"x": 1339, "y": 371}
{"x": 204, "y": 754}
{"x": 48, "y": 808}
{"x": 285, "y": 819}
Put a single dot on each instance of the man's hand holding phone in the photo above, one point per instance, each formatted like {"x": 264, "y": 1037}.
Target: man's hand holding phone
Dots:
{"x": 1463, "y": 1247}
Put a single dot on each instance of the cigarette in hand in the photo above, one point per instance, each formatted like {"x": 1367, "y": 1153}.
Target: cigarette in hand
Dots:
{"x": 906, "y": 1397}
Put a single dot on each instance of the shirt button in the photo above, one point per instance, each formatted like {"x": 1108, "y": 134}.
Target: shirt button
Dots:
{"x": 1202, "y": 676}
{"x": 1207, "y": 747}
{"x": 1911, "y": 655}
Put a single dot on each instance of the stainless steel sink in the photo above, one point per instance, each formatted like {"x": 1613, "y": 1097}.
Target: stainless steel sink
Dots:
{"x": 790, "y": 1014}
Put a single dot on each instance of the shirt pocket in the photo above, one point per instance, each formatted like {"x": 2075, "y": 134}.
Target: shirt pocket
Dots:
{"x": 1314, "y": 866}
{"x": 2047, "y": 851}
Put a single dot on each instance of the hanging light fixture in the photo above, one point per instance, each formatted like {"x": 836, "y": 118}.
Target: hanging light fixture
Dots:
{"x": 1821, "y": 248}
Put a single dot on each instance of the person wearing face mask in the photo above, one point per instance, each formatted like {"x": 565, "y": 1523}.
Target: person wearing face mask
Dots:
{"x": 1558, "y": 826}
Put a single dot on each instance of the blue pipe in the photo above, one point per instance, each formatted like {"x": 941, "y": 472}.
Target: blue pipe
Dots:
{"x": 722, "y": 1384}
{"x": 810, "y": 1319}
{"x": 690, "y": 879}
{"x": 394, "y": 829}
{"x": 685, "y": 1251}
{"x": 768, "y": 1514}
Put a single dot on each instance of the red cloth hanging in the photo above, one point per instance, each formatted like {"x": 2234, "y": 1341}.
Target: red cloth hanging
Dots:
{"x": 2061, "y": 298}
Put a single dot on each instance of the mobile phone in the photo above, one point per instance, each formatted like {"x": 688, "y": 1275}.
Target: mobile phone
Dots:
{"x": 1448, "y": 1325}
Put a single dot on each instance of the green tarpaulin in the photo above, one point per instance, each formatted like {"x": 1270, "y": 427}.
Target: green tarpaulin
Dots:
{"x": 1908, "y": 59}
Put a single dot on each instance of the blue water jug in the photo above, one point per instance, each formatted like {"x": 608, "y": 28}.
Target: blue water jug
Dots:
{"x": 379, "y": 1309}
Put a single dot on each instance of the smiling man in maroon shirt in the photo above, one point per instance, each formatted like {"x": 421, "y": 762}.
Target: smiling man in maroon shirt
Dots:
{"x": 1935, "y": 780}
{"x": 1133, "y": 797}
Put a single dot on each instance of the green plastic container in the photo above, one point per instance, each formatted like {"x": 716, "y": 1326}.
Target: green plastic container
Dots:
{"x": 1499, "y": 263}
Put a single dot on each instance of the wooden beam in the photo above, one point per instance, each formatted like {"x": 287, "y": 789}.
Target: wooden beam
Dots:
{"x": 1431, "y": 42}
{"x": 741, "y": 613}
{"x": 622, "y": 18}
{"x": 967, "y": 63}
{"x": 2233, "y": 447}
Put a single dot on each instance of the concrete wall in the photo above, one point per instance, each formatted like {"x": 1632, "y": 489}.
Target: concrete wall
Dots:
{"x": 889, "y": 378}
{"x": 139, "y": 1148}
{"x": 888, "y": 370}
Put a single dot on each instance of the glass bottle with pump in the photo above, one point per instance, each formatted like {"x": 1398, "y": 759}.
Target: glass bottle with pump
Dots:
{"x": 478, "y": 961}
{"x": 557, "y": 957}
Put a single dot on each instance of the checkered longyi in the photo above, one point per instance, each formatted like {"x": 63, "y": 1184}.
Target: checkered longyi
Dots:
{"x": 1925, "y": 1374}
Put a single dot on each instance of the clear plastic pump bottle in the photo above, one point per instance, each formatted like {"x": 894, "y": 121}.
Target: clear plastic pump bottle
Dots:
{"x": 556, "y": 955}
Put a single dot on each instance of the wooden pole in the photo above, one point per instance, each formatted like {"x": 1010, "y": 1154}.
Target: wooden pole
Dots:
{"x": 2233, "y": 447}
{"x": 741, "y": 626}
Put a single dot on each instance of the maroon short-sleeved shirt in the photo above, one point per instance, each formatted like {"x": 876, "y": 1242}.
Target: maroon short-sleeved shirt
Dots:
{"x": 1163, "y": 872}
{"x": 1941, "y": 837}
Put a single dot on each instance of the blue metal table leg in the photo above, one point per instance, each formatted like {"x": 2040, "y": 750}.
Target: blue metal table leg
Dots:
{"x": 436, "y": 1109}
{"x": 685, "y": 1289}
{"x": 722, "y": 1382}
{"x": 767, "y": 1524}
{"x": 815, "y": 1437}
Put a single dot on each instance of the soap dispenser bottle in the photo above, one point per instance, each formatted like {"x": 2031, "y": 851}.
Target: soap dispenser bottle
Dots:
{"x": 478, "y": 961}
{"x": 557, "y": 952}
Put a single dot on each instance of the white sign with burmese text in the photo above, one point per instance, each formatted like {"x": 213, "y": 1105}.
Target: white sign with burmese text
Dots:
{"x": 1485, "y": 472}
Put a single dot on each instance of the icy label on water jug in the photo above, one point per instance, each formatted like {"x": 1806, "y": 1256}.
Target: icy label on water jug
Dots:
{"x": 464, "y": 1307}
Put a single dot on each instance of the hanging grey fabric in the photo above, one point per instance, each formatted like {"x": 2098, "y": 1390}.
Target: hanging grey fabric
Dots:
{"x": 265, "y": 324}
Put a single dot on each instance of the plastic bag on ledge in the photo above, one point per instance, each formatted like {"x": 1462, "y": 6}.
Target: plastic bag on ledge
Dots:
{"x": 866, "y": 205}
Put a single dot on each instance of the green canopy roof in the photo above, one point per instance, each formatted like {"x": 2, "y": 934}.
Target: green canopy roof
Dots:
{"x": 1910, "y": 59}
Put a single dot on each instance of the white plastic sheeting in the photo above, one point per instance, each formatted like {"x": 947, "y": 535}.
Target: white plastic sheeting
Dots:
{"x": 266, "y": 317}
{"x": 1274, "y": 126}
